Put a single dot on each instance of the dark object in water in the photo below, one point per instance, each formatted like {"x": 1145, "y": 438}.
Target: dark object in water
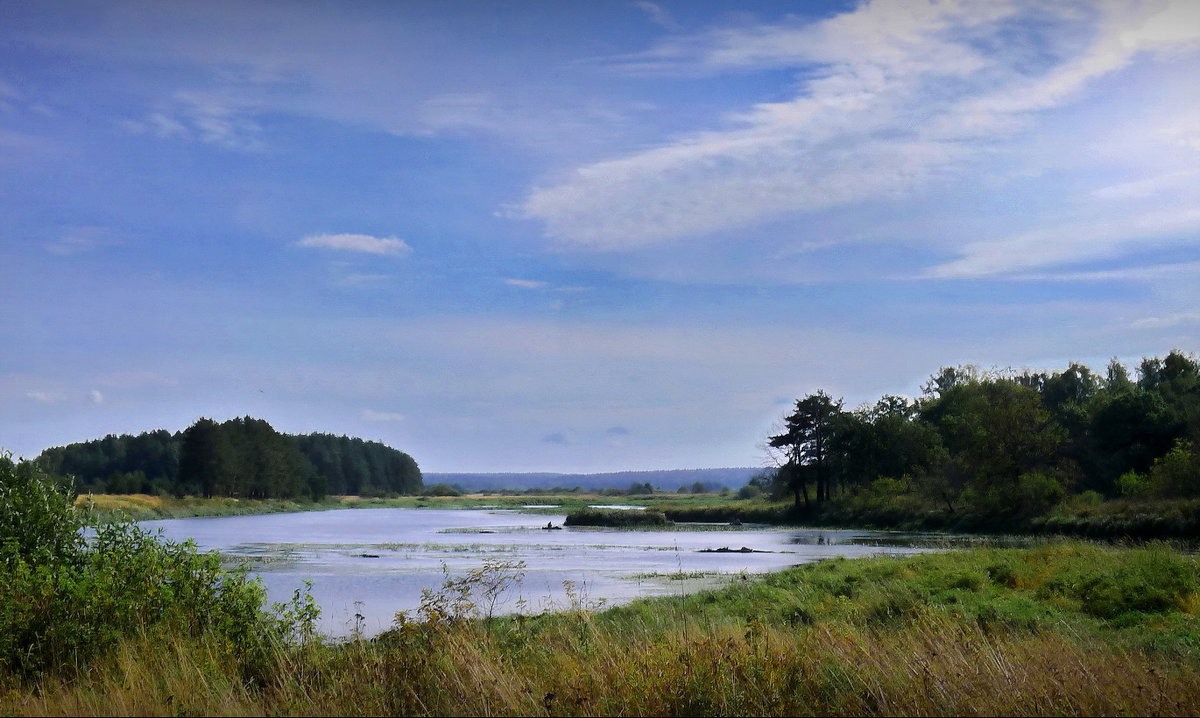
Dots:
{"x": 551, "y": 527}
{"x": 368, "y": 555}
{"x": 726, "y": 549}
{"x": 736, "y": 522}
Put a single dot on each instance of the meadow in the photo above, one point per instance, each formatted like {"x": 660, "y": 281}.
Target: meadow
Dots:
{"x": 1061, "y": 629}
{"x": 126, "y": 624}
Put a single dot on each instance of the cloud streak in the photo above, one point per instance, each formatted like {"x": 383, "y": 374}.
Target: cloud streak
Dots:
{"x": 897, "y": 98}
{"x": 363, "y": 243}
{"x": 373, "y": 415}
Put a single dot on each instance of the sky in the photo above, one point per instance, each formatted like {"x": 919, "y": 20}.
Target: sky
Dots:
{"x": 578, "y": 236}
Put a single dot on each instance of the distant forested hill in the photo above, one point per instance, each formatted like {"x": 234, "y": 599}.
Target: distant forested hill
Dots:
{"x": 712, "y": 479}
{"x": 242, "y": 457}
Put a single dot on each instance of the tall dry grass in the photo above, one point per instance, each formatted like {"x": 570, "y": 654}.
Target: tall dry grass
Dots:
{"x": 934, "y": 665}
{"x": 1058, "y": 629}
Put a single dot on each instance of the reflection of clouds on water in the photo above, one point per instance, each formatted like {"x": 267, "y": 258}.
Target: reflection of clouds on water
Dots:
{"x": 384, "y": 558}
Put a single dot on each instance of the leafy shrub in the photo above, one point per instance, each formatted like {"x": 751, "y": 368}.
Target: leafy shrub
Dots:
{"x": 749, "y": 491}
{"x": 66, "y": 598}
{"x": 1177, "y": 473}
{"x": 38, "y": 523}
{"x": 1132, "y": 485}
{"x": 1030, "y": 495}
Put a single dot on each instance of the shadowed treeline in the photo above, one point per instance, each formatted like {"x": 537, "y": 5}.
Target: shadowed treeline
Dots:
{"x": 242, "y": 457}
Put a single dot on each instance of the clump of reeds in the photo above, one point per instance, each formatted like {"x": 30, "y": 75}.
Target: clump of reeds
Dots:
{"x": 620, "y": 518}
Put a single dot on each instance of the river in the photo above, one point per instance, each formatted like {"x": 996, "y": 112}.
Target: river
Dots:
{"x": 375, "y": 562}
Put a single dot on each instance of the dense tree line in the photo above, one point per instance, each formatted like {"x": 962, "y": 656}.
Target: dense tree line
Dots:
{"x": 242, "y": 457}
{"x": 1004, "y": 442}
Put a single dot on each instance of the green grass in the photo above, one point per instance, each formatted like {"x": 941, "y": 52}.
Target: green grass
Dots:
{"x": 1058, "y": 629}
{"x": 144, "y": 506}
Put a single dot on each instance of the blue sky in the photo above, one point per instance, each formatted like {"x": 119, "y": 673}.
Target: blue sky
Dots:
{"x": 516, "y": 236}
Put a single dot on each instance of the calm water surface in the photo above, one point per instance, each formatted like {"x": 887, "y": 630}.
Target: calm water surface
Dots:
{"x": 376, "y": 561}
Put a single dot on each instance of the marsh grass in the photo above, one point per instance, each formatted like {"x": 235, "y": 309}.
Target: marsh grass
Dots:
{"x": 618, "y": 518}
{"x": 1057, "y": 629}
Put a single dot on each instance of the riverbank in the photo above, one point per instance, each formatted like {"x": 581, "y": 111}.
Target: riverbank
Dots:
{"x": 143, "y": 507}
{"x": 1145, "y": 519}
{"x": 1060, "y": 629}
{"x": 1076, "y": 517}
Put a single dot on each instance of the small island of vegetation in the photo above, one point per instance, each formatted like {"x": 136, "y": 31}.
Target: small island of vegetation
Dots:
{"x": 616, "y": 517}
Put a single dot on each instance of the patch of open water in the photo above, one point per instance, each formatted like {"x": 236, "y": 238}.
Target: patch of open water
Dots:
{"x": 376, "y": 562}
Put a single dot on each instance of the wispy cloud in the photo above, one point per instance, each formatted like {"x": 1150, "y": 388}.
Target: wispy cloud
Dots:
{"x": 389, "y": 246}
{"x": 556, "y": 437}
{"x": 658, "y": 15}
{"x": 46, "y": 397}
{"x": 1071, "y": 243}
{"x": 897, "y": 97}
{"x": 202, "y": 117}
{"x": 95, "y": 397}
{"x": 1166, "y": 321}
{"x": 358, "y": 278}
{"x": 526, "y": 283}
{"x": 1147, "y": 187}
{"x": 1125, "y": 274}
{"x": 81, "y": 240}
{"x": 373, "y": 415}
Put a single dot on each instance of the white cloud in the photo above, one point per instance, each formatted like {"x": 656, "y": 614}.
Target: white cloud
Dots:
{"x": 657, "y": 15}
{"x": 95, "y": 397}
{"x": 1069, "y": 243}
{"x": 372, "y": 415}
{"x": 1125, "y": 274}
{"x": 1147, "y": 187}
{"x": 203, "y": 117}
{"x": 358, "y": 243}
{"x": 897, "y": 98}
{"x": 1166, "y": 321}
{"x": 46, "y": 397}
{"x": 525, "y": 283}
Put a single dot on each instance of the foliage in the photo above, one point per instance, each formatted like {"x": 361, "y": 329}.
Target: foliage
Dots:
{"x": 66, "y": 599}
{"x": 806, "y": 445}
{"x": 38, "y": 524}
{"x": 243, "y": 457}
{"x": 980, "y": 632}
{"x": 616, "y": 517}
{"x": 988, "y": 450}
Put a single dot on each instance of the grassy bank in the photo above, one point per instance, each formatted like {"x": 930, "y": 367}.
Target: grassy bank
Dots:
{"x": 1063, "y": 629}
{"x": 145, "y": 506}
{"x": 1112, "y": 519}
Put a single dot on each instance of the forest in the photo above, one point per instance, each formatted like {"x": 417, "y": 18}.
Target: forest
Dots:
{"x": 241, "y": 458}
{"x": 1000, "y": 444}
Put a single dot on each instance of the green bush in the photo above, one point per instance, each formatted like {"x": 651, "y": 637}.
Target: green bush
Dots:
{"x": 1030, "y": 495}
{"x": 68, "y": 595}
{"x": 749, "y": 491}
{"x": 1177, "y": 473}
{"x": 1132, "y": 485}
{"x": 38, "y": 524}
